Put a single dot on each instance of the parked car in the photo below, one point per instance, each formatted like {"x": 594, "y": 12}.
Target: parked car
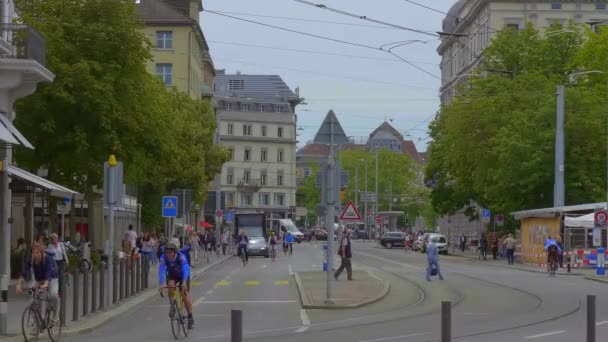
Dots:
{"x": 393, "y": 239}
{"x": 441, "y": 241}
{"x": 258, "y": 247}
{"x": 320, "y": 234}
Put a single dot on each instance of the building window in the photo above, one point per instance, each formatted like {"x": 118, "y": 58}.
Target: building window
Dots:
{"x": 246, "y": 176}
{"x": 231, "y": 153}
{"x": 280, "y": 132}
{"x": 236, "y": 84}
{"x": 230, "y": 176}
{"x": 244, "y": 107}
{"x": 278, "y": 109}
{"x": 227, "y": 106}
{"x": 280, "y": 155}
{"x": 514, "y": 27}
{"x": 556, "y": 6}
{"x": 229, "y": 199}
{"x": 230, "y": 129}
{"x": 264, "y": 131}
{"x": 165, "y": 72}
{"x": 600, "y": 6}
{"x": 246, "y": 198}
{"x": 279, "y": 199}
{"x": 247, "y": 154}
{"x": 246, "y": 129}
{"x": 263, "y": 177}
{"x": 264, "y": 155}
{"x": 261, "y": 108}
{"x": 280, "y": 178}
{"x": 264, "y": 199}
{"x": 306, "y": 171}
{"x": 164, "y": 40}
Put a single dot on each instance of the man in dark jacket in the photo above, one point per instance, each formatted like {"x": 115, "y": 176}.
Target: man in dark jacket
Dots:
{"x": 345, "y": 253}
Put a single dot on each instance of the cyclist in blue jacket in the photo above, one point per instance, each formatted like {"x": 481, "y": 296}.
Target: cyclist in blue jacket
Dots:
{"x": 173, "y": 269}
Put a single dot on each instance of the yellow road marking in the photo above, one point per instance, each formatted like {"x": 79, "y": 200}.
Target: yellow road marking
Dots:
{"x": 196, "y": 283}
{"x": 222, "y": 283}
{"x": 281, "y": 282}
{"x": 252, "y": 283}
{"x": 198, "y": 301}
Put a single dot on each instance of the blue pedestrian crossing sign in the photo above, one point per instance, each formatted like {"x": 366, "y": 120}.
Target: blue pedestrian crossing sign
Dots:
{"x": 169, "y": 206}
{"x": 228, "y": 216}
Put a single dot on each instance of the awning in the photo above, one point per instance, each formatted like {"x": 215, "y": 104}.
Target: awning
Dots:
{"x": 204, "y": 224}
{"x": 55, "y": 190}
{"x": 585, "y": 221}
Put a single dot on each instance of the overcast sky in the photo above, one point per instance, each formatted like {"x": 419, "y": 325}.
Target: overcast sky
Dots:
{"x": 362, "y": 85}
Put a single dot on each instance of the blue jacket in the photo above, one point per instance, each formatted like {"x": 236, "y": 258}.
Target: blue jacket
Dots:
{"x": 551, "y": 242}
{"x": 432, "y": 252}
{"x": 180, "y": 264}
{"x": 289, "y": 237}
{"x": 46, "y": 271}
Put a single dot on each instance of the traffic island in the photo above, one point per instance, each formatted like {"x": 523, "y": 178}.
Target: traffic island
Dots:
{"x": 364, "y": 289}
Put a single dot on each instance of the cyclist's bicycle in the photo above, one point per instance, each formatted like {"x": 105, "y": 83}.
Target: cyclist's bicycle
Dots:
{"x": 177, "y": 311}
{"x": 243, "y": 251}
{"x": 273, "y": 252}
{"x": 33, "y": 322}
{"x": 553, "y": 263}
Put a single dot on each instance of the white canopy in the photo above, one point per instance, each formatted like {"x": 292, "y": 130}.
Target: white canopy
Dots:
{"x": 585, "y": 221}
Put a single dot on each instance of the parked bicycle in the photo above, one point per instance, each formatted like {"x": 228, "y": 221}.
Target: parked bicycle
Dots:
{"x": 33, "y": 322}
{"x": 84, "y": 265}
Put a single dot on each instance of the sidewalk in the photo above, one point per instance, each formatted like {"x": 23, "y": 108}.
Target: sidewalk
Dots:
{"x": 91, "y": 321}
{"x": 472, "y": 256}
{"x": 365, "y": 288}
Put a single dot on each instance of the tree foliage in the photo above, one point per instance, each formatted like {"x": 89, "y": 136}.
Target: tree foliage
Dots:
{"x": 494, "y": 143}
{"x": 103, "y": 101}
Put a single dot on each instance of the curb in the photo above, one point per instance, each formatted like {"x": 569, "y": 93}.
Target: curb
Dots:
{"x": 474, "y": 259}
{"x": 599, "y": 280}
{"x": 105, "y": 316}
{"x": 306, "y": 304}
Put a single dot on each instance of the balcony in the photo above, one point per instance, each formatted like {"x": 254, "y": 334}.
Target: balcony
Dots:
{"x": 249, "y": 185}
{"x": 27, "y": 43}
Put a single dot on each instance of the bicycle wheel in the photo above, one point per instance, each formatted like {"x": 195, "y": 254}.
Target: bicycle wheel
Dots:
{"x": 175, "y": 317}
{"x": 53, "y": 326}
{"x": 183, "y": 320}
{"x": 85, "y": 265}
{"x": 30, "y": 324}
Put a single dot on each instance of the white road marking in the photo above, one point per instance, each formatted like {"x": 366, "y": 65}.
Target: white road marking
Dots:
{"x": 391, "y": 261}
{"x": 252, "y": 302}
{"x": 305, "y": 321}
{"x": 546, "y": 334}
{"x": 290, "y": 269}
{"x": 210, "y": 291}
{"x": 264, "y": 266}
{"x": 601, "y": 323}
{"x": 396, "y": 337}
{"x": 198, "y": 301}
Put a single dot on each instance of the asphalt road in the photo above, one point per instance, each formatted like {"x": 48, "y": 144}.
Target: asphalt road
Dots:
{"x": 489, "y": 304}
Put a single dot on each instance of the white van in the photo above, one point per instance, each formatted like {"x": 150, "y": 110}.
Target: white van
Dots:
{"x": 291, "y": 227}
{"x": 440, "y": 241}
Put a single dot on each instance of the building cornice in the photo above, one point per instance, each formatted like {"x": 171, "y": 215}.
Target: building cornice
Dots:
{"x": 258, "y": 139}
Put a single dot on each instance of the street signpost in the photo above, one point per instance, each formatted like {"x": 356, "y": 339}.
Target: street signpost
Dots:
{"x": 368, "y": 197}
{"x": 350, "y": 212}
{"x": 112, "y": 195}
{"x": 500, "y": 220}
{"x": 485, "y": 215}
{"x": 601, "y": 218}
{"x": 169, "y": 206}
{"x": 228, "y": 217}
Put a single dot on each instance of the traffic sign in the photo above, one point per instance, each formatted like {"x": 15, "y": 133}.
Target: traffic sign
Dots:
{"x": 369, "y": 212}
{"x": 350, "y": 212}
{"x": 368, "y": 197}
{"x": 378, "y": 219}
{"x": 169, "y": 206}
{"x": 219, "y": 213}
{"x": 601, "y": 217}
{"x": 500, "y": 219}
{"x": 485, "y": 214}
{"x": 229, "y": 216}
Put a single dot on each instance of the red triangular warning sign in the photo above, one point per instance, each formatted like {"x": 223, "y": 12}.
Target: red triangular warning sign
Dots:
{"x": 350, "y": 212}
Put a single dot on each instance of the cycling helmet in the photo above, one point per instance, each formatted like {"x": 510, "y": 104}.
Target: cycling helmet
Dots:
{"x": 171, "y": 246}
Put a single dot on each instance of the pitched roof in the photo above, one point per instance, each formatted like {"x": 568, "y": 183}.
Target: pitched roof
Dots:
{"x": 159, "y": 11}
{"x": 323, "y": 149}
{"x": 408, "y": 147}
{"x": 386, "y": 127}
{"x": 324, "y": 133}
{"x": 270, "y": 88}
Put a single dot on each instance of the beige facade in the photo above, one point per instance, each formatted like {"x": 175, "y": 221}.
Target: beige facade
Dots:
{"x": 477, "y": 21}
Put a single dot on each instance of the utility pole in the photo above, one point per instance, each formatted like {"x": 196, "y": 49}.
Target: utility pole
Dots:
{"x": 218, "y": 191}
{"x": 5, "y": 237}
{"x": 559, "y": 189}
{"x": 330, "y": 214}
{"x": 390, "y": 196}
{"x": 357, "y": 187}
{"x": 377, "y": 207}
{"x": 365, "y": 215}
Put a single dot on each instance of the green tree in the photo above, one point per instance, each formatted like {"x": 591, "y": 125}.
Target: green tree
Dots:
{"x": 494, "y": 144}
{"x": 308, "y": 194}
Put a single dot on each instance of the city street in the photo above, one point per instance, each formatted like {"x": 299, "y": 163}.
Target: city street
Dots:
{"x": 494, "y": 304}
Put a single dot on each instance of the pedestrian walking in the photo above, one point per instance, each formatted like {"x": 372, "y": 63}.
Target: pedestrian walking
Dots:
{"x": 131, "y": 236}
{"x": 463, "y": 242}
{"x": 509, "y": 244}
{"x": 432, "y": 254}
{"x": 483, "y": 246}
{"x": 560, "y": 246}
{"x": 345, "y": 253}
{"x": 494, "y": 246}
{"x": 225, "y": 240}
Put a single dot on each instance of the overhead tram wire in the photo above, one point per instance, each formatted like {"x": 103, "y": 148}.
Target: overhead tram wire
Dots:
{"x": 363, "y": 17}
{"x": 321, "y": 37}
{"x": 446, "y": 13}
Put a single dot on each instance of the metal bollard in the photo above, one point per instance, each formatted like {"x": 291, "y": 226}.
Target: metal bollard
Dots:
{"x": 75, "y": 306}
{"x": 115, "y": 288}
{"x": 446, "y": 321}
{"x": 64, "y": 295}
{"x": 122, "y": 279}
{"x": 94, "y": 285}
{"x": 591, "y": 311}
{"x": 147, "y": 272}
{"x": 237, "y": 326}
{"x": 132, "y": 276}
{"x": 85, "y": 293}
{"x": 138, "y": 275}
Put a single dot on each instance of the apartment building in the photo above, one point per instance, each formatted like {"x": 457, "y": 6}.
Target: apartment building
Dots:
{"x": 180, "y": 54}
{"x": 473, "y": 23}
{"x": 258, "y": 126}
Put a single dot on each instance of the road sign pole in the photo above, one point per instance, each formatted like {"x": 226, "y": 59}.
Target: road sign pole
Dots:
{"x": 111, "y": 203}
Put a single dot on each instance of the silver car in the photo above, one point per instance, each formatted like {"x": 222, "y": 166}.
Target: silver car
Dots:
{"x": 258, "y": 247}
